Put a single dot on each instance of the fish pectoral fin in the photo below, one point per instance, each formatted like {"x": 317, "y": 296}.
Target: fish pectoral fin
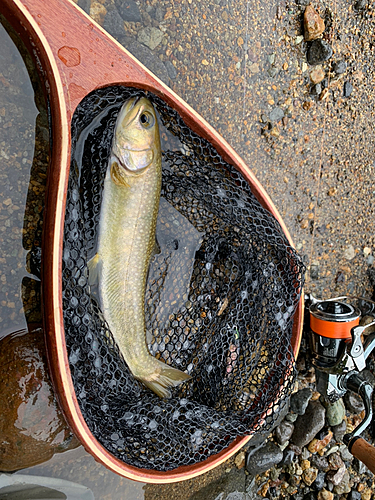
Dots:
{"x": 156, "y": 250}
{"x": 168, "y": 377}
{"x": 94, "y": 267}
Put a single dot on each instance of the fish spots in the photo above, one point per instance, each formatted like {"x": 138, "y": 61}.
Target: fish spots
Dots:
{"x": 70, "y": 56}
{"x": 76, "y": 92}
{"x": 63, "y": 34}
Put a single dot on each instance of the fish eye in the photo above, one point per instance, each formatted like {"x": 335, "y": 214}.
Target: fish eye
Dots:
{"x": 146, "y": 119}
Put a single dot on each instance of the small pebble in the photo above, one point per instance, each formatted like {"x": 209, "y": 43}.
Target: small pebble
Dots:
{"x": 339, "y": 67}
{"x": 335, "y": 412}
{"x": 318, "y": 52}
{"x": 313, "y": 24}
{"x": 276, "y": 115}
{"x": 349, "y": 252}
{"x": 310, "y": 475}
{"x": 353, "y": 402}
{"x": 320, "y": 480}
{"x": 361, "y": 4}
{"x": 336, "y": 476}
{"x": 320, "y": 462}
{"x": 348, "y": 89}
{"x": 335, "y": 461}
{"x": 284, "y": 432}
{"x": 318, "y": 445}
{"x": 317, "y": 74}
{"x": 325, "y": 495}
{"x": 344, "y": 485}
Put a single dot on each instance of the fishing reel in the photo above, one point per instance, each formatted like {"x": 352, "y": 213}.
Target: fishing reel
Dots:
{"x": 342, "y": 336}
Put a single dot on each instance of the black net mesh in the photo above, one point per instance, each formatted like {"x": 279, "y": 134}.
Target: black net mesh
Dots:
{"x": 220, "y": 300}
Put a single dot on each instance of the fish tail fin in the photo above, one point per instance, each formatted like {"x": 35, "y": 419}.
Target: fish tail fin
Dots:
{"x": 167, "y": 377}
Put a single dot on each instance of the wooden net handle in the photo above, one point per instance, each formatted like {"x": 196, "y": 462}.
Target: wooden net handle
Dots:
{"x": 364, "y": 451}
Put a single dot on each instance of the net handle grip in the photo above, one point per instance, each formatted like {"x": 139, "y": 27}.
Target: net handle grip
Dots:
{"x": 364, "y": 451}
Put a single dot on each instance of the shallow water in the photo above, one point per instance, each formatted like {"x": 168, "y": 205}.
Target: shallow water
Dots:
{"x": 24, "y": 158}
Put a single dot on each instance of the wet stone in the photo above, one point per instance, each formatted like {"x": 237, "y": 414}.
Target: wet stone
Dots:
{"x": 288, "y": 457}
{"x": 360, "y": 5}
{"x": 300, "y": 400}
{"x": 151, "y": 37}
{"x": 309, "y": 424}
{"x": 354, "y": 495}
{"x": 284, "y": 432}
{"x": 353, "y": 402}
{"x": 325, "y": 495}
{"x": 335, "y": 412}
{"x": 319, "y": 481}
{"x": 128, "y": 10}
{"x": 318, "y": 52}
{"x": 172, "y": 72}
{"x": 344, "y": 485}
{"x": 348, "y": 89}
{"x": 28, "y": 402}
{"x": 339, "y": 431}
{"x": 114, "y": 24}
{"x": 264, "y": 458}
{"x": 148, "y": 58}
{"x": 313, "y": 24}
{"x": 335, "y": 461}
{"x": 339, "y": 67}
{"x": 335, "y": 477}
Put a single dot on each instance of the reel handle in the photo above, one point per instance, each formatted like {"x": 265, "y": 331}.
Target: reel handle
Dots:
{"x": 364, "y": 451}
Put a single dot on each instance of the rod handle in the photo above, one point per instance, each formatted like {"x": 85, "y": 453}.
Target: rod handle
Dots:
{"x": 364, "y": 451}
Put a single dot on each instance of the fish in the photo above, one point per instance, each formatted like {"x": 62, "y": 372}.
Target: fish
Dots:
{"x": 126, "y": 241}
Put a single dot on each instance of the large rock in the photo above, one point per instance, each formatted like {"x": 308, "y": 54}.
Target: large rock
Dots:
{"x": 32, "y": 427}
{"x": 264, "y": 458}
{"x": 308, "y": 425}
{"x": 300, "y": 400}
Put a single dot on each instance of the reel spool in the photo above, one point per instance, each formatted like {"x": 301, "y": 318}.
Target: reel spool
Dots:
{"x": 331, "y": 323}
